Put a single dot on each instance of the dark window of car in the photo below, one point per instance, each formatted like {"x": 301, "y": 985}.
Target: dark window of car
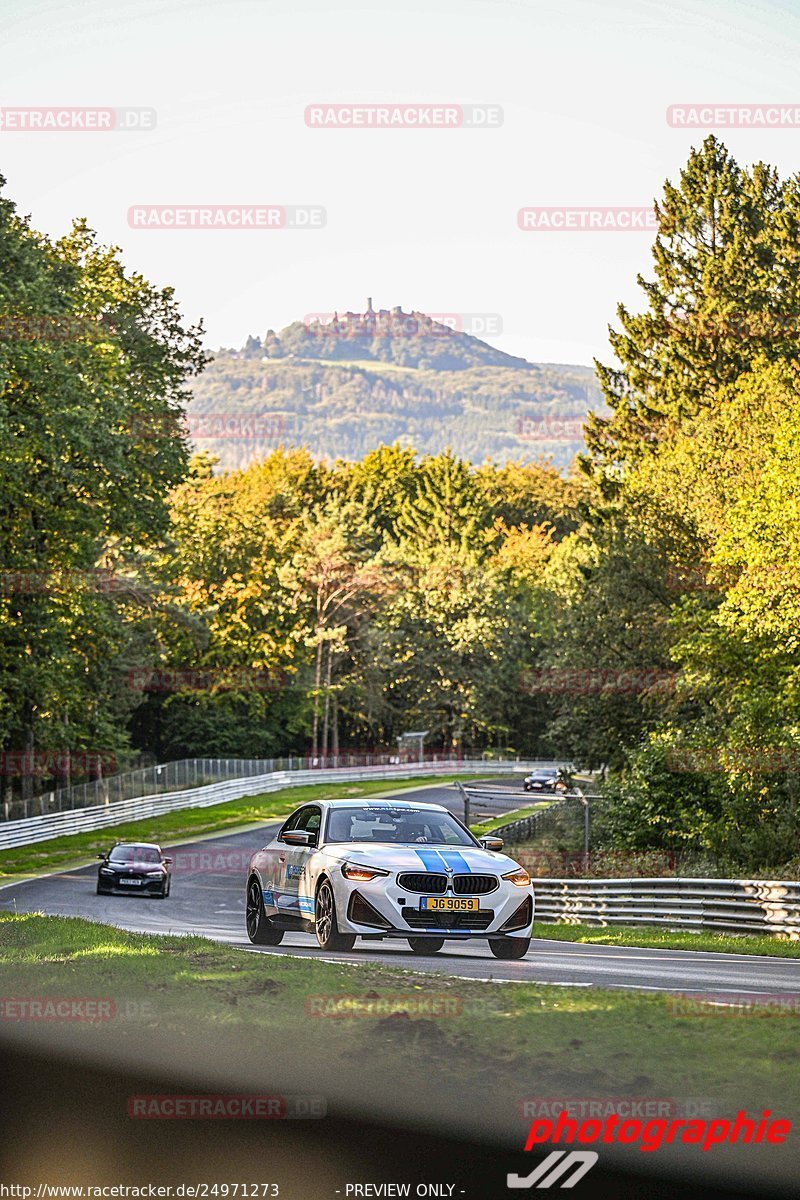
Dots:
{"x": 139, "y": 854}
{"x": 400, "y": 825}
{"x": 312, "y": 820}
{"x": 292, "y": 822}
{"x": 309, "y": 817}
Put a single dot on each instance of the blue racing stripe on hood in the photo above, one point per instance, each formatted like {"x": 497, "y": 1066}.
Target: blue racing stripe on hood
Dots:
{"x": 430, "y": 860}
{"x": 456, "y": 861}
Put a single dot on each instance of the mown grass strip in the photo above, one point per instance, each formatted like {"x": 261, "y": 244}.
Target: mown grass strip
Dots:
{"x": 187, "y": 823}
{"x": 509, "y": 1040}
{"x": 516, "y": 814}
{"x": 665, "y": 939}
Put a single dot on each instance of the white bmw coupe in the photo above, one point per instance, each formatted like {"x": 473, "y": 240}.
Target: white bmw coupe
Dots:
{"x": 387, "y": 869}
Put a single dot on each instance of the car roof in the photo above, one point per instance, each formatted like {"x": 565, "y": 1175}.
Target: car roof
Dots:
{"x": 138, "y": 845}
{"x": 365, "y": 802}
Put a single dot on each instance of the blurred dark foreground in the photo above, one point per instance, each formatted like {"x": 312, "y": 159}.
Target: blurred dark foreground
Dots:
{"x": 67, "y": 1124}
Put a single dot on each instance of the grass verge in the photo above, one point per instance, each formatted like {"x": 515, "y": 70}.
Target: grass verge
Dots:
{"x": 665, "y": 939}
{"x": 187, "y": 823}
{"x": 507, "y": 1041}
{"x": 516, "y": 814}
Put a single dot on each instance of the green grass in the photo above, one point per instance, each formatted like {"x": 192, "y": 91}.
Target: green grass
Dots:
{"x": 516, "y": 814}
{"x": 665, "y": 939}
{"x": 188, "y": 823}
{"x": 505, "y": 1041}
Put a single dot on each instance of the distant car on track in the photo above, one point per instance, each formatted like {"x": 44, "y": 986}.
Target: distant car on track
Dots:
{"x": 547, "y": 781}
{"x": 137, "y": 868}
{"x": 387, "y": 869}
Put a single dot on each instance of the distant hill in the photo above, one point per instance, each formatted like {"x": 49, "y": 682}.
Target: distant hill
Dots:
{"x": 343, "y": 386}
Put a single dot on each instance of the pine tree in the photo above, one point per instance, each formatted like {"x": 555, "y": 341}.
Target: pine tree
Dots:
{"x": 726, "y": 293}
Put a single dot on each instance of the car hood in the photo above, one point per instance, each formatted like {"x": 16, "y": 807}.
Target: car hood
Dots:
{"x": 462, "y": 859}
{"x": 133, "y": 866}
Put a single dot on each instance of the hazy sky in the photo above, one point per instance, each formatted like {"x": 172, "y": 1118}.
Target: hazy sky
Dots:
{"x": 426, "y": 218}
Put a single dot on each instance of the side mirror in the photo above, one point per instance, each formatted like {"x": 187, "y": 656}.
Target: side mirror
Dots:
{"x": 299, "y": 837}
{"x": 492, "y": 843}
{"x": 167, "y": 861}
{"x": 102, "y": 856}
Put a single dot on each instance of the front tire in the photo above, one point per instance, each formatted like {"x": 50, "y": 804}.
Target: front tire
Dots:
{"x": 260, "y": 929}
{"x": 509, "y": 948}
{"x": 325, "y": 923}
{"x": 425, "y": 945}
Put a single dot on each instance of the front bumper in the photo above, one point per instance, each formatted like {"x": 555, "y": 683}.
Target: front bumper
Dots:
{"x": 142, "y": 887}
{"x": 374, "y": 909}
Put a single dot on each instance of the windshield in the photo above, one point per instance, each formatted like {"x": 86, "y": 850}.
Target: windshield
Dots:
{"x": 139, "y": 854}
{"x": 407, "y": 825}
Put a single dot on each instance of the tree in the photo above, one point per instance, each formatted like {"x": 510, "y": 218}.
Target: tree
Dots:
{"x": 93, "y": 364}
{"x": 332, "y": 579}
{"x": 726, "y": 293}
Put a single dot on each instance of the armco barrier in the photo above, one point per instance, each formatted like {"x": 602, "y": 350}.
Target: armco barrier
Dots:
{"x": 41, "y": 829}
{"x": 762, "y": 906}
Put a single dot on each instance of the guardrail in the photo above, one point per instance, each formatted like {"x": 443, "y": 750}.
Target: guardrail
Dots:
{"x": 762, "y": 906}
{"x": 40, "y": 829}
{"x": 182, "y": 774}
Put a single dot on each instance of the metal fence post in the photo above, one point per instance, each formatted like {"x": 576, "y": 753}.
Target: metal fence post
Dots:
{"x": 465, "y": 797}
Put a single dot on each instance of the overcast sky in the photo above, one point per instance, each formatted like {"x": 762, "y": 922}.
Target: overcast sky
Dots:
{"x": 425, "y": 218}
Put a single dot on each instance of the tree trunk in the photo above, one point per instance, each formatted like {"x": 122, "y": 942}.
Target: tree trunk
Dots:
{"x": 317, "y": 680}
{"x": 335, "y": 748}
{"x": 325, "y": 720}
{"x": 28, "y": 766}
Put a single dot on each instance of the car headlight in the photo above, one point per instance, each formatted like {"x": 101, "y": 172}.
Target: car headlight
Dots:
{"x": 520, "y": 877}
{"x": 106, "y": 871}
{"x": 361, "y": 874}
{"x": 154, "y": 874}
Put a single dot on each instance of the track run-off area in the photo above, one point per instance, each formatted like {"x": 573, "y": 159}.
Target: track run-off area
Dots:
{"x": 208, "y": 899}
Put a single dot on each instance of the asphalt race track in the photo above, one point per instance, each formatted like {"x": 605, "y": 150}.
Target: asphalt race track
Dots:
{"x": 208, "y": 899}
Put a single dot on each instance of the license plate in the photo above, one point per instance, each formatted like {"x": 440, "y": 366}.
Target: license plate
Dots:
{"x": 130, "y": 882}
{"x": 450, "y": 904}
